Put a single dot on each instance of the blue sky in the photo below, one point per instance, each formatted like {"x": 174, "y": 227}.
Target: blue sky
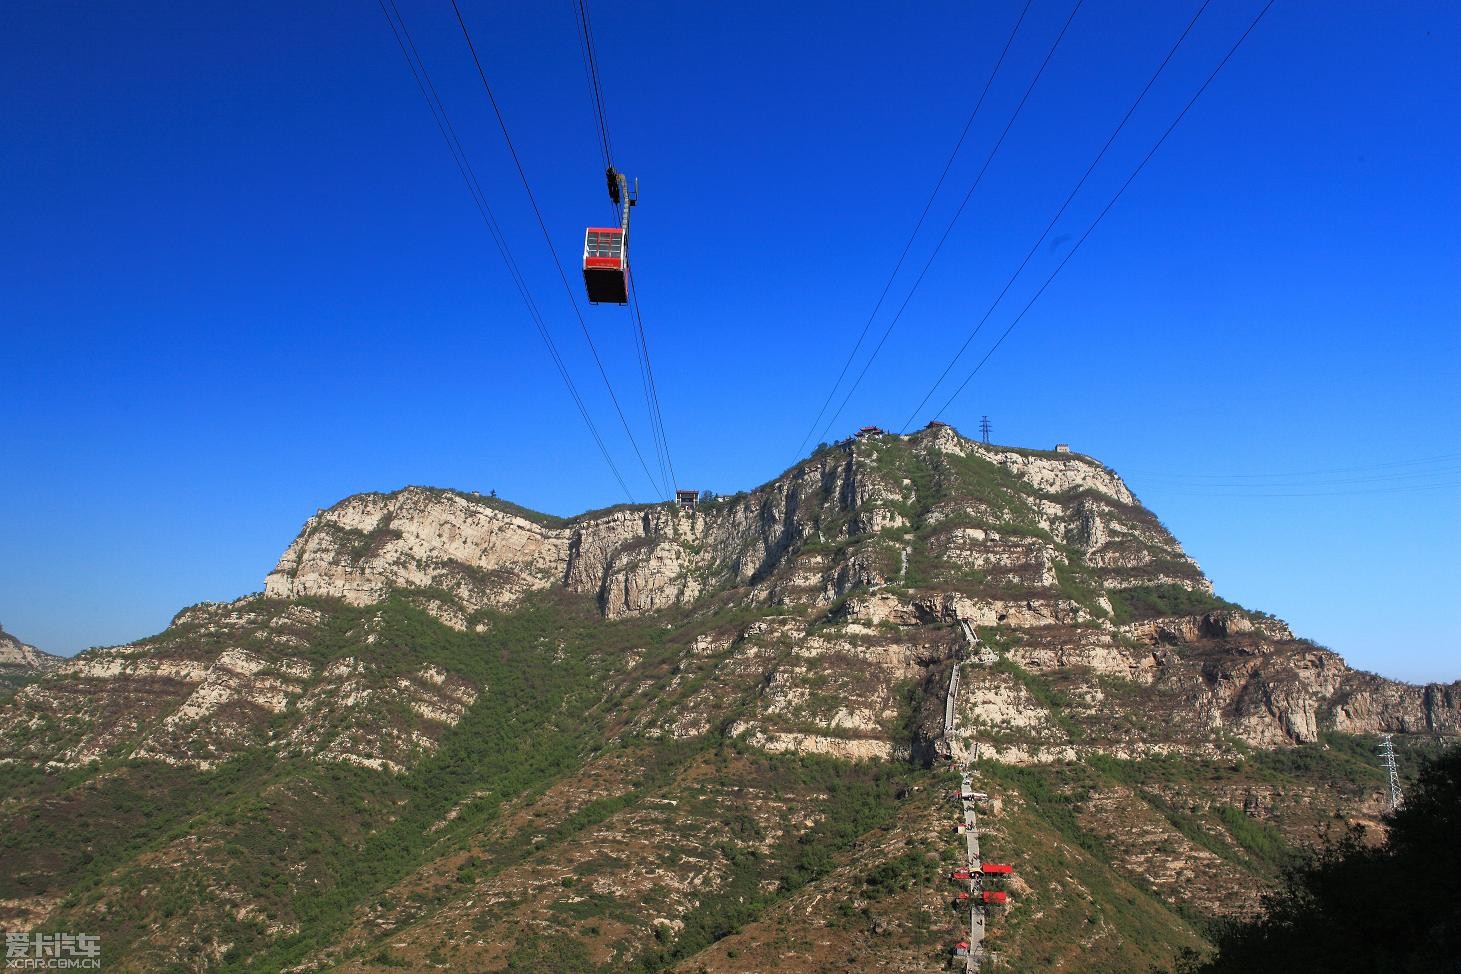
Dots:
{"x": 241, "y": 279}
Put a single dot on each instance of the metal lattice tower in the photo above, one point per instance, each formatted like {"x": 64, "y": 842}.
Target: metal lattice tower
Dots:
{"x": 984, "y": 428}
{"x": 1387, "y": 758}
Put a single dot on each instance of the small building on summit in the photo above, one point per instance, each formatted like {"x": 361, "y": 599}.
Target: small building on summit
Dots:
{"x": 871, "y": 431}
{"x": 686, "y": 499}
{"x": 1062, "y": 448}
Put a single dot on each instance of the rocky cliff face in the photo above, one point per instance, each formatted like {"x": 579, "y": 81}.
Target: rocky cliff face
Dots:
{"x": 20, "y": 663}
{"x": 639, "y": 560}
{"x": 917, "y": 535}
{"x": 453, "y": 731}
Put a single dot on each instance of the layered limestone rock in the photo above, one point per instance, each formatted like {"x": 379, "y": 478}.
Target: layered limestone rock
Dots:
{"x": 1193, "y": 688}
{"x": 23, "y": 660}
{"x": 1367, "y": 704}
{"x": 370, "y": 544}
{"x": 637, "y": 560}
{"x": 634, "y": 561}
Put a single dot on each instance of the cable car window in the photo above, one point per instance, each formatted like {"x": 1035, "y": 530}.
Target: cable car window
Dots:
{"x": 604, "y": 243}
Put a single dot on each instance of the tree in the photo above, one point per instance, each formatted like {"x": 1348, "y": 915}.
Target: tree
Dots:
{"x": 1392, "y": 908}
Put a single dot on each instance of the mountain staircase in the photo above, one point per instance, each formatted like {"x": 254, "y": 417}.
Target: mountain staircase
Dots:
{"x": 971, "y": 951}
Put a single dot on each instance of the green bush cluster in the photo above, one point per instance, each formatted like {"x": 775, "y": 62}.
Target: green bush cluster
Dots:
{"x": 1161, "y": 601}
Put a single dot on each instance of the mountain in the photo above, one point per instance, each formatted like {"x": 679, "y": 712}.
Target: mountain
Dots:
{"x": 21, "y": 663}
{"x": 454, "y": 732}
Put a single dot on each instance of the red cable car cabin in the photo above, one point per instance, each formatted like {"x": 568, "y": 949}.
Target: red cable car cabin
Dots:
{"x": 996, "y": 869}
{"x": 997, "y": 896}
{"x": 605, "y": 265}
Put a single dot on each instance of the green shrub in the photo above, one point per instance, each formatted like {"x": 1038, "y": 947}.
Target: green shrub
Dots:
{"x": 1161, "y": 601}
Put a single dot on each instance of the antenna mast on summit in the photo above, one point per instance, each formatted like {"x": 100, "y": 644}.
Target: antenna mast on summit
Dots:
{"x": 1387, "y": 756}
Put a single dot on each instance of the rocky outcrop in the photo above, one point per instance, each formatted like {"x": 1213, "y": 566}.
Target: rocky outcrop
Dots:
{"x": 1367, "y": 704}
{"x": 20, "y": 660}
{"x": 370, "y": 544}
{"x": 637, "y": 560}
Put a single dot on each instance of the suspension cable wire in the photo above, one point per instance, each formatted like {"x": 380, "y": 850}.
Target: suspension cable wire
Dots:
{"x": 548, "y": 238}
{"x": 1443, "y": 458}
{"x": 591, "y": 63}
{"x": 652, "y": 400}
{"x": 1445, "y": 470}
{"x": 958, "y": 145}
{"x": 1102, "y": 215}
{"x": 1411, "y": 489}
{"x": 957, "y": 214}
{"x": 454, "y": 146}
{"x": 646, "y": 381}
{"x": 649, "y": 369}
{"x": 590, "y": 74}
{"x": 589, "y": 78}
{"x": 641, "y": 339}
{"x": 647, "y": 384}
{"x": 1058, "y": 213}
